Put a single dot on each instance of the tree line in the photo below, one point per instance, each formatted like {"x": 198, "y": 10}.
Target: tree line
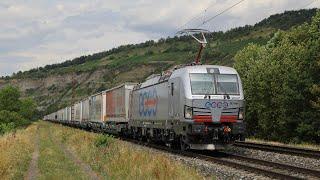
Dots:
{"x": 282, "y": 85}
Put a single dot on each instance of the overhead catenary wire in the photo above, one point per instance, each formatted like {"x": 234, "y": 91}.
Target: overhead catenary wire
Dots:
{"x": 198, "y": 16}
{"x": 313, "y": 1}
{"x": 222, "y": 12}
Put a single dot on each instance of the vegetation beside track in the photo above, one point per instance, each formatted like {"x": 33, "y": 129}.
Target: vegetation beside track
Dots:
{"x": 15, "y": 111}
{"x": 282, "y": 85}
{"x": 53, "y": 164}
{"x": 117, "y": 159}
{"x": 15, "y": 152}
{"x": 108, "y": 157}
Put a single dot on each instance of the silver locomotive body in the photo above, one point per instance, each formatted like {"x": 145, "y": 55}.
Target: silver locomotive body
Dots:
{"x": 198, "y": 107}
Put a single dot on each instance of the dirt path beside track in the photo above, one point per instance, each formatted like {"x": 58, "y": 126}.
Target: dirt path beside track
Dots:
{"x": 71, "y": 155}
{"x": 33, "y": 170}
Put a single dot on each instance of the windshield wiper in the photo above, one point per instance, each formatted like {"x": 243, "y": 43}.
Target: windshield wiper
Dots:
{"x": 225, "y": 94}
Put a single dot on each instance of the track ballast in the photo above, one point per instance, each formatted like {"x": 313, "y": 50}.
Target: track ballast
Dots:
{"x": 280, "y": 149}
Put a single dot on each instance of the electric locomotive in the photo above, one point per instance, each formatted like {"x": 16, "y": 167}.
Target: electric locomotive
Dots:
{"x": 197, "y": 107}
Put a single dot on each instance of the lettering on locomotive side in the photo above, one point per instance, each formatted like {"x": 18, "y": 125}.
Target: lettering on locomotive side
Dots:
{"x": 148, "y": 103}
{"x": 216, "y": 105}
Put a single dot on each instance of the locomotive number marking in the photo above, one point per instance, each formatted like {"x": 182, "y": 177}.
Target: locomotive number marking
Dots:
{"x": 216, "y": 105}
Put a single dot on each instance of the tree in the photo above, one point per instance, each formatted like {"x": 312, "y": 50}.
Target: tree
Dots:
{"x": 27, "y": 108}
{"x": 9, "y": 99}
{"x": 281, "y": 81}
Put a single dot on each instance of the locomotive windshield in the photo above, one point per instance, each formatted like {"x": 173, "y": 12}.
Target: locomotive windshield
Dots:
{"x": 214, "y": 84}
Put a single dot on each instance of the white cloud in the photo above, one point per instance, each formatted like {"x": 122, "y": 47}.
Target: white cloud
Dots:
{"x": 60, "y": 7}
{"x": 38, "y": 32}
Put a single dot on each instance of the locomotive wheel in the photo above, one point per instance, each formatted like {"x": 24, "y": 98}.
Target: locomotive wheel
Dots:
{"x": 242, "y": 138}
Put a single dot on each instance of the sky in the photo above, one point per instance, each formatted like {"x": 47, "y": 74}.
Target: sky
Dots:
{"x": 35, "y": 33}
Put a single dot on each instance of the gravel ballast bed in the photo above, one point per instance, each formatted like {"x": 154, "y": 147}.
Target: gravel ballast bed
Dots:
{"x": 299, "y": 161}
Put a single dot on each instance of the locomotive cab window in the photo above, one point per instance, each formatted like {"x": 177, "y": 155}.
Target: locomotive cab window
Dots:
{"x": 214, "y": 84}
{"x": 227, "y": 84}
{"x": 202, "y": 83}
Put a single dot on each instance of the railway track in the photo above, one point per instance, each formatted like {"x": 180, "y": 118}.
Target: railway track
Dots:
{"x": 277, "y": 166}
{"x": 280, "y": 149}
{"x": 257, "y": 166}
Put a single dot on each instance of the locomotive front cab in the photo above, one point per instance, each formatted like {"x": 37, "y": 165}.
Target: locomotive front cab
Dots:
{"x": 213, "y": 108}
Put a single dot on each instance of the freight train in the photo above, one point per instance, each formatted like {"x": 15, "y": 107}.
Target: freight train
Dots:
{"x": 189, "y": 107}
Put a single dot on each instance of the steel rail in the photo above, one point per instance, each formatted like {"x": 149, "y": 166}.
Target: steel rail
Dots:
{"x": 260, "y": 171}
{"x": 280, "y": 149}
{"x": 306, "y": 171}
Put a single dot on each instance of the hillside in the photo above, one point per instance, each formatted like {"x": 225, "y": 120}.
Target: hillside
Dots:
{"x": 51, "y": 86}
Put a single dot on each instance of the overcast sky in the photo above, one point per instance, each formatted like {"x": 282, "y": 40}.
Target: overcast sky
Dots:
{"x": 34, "y": 33}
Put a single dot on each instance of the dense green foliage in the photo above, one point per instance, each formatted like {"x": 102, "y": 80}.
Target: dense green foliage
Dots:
{"x": 281, "y": 83}
{"x": 9, "y": 97}
{"x": 14, "y": 111}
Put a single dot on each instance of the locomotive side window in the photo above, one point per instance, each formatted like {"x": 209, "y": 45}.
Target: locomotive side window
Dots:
{"x": 202, "y": 83}
{"x": 172, "y": 89}
{"x": 227, "y": 84}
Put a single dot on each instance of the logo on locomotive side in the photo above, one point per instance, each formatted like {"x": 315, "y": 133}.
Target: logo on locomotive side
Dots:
{"x": 214, "y": 105}
{"x": 148, "y": 103}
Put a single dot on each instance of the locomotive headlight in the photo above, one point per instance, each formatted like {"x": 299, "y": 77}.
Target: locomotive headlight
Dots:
{"x": 241, "y": 114}
{"x": 188, "y": 112}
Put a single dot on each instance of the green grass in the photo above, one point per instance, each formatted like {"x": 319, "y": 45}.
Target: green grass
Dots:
{"x": 15, "y": 152}
{"x": 114, "y": 159}
{"x": 53, "y": 163}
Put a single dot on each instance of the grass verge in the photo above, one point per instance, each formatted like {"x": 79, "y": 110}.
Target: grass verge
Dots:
{"x": 108, "y": 157}
{"x": 115, "y": 159}
{"x": 53, "y": 163}
{"x": 15, "y": 152}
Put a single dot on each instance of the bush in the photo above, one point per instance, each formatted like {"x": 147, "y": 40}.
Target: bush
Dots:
{"x": 104, "y": 140}
{"x": 149, "y": 52}
{"x": 12, "y": 117}
{"x": 9, "y": 99}
{"x": 6, "y": 127}
{"x": 27, "y": 108}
